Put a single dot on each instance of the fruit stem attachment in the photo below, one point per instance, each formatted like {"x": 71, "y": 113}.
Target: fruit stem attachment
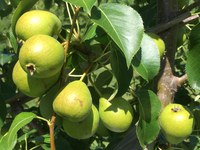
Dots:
{"x": 86, "y": 72}
{"x": 47, "y": 121}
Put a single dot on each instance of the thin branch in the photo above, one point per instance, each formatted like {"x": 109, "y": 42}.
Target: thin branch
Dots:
{"x": 23, "y": 98}
{"x": 67, "y": 43}
{"x": 72, "y": 28}
{"x": 181, "y": 80}
{"x": 184, "y": 18}
{"x": 191, "y": 18}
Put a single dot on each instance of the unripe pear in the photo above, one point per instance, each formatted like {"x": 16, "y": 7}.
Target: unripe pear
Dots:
{"x": 159, "y": 42}
{"x": 29, "y": 85}
{"x": 41, "y": 56}
{"x": 74, "y": 102}
{"x": 85, "y": 128}
{"x": 116, "y": 115}
{"x": 176, "y": 123}
{"x": 37, "y": 22}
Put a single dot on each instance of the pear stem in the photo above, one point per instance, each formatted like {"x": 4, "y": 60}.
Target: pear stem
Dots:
{"x": 66, "y": 44}
{"x": 51, "y": 130}
{"x": 86, "y": 72}
{"x": 72, "y": 28}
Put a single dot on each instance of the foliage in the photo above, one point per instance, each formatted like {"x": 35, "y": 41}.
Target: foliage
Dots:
{"x": 111, "y": 52}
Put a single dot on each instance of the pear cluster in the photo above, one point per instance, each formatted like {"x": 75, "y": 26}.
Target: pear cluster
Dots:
{"x": 41, "y": 56}
{"x": 82, "y": 119}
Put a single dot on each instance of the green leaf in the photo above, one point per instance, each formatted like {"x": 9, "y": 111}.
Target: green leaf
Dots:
{"x": 13, "y": 41}
{"x": 123, "y": 24}
{"x": 23, "y": 6}
{"x": 91, "y": 32}
{"x": 193, "y": 67}
{"x": 14, "y": 3}
{"x": 8, "y": 141}
{"x": 5, "y": 58}
{"x": 149, "y": 108}
{"x": 122, "y": 73}
{"x": 194, "y": 37}
{"x": 103, "y": 79}
{"x": 3, "y": 5}
{"x": 147, "y": 60}
{"x": 86, "y": 4}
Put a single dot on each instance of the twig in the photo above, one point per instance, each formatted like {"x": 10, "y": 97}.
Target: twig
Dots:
{"x": 72, "y": 28}
{"x": 23, "y": 98}
{"x": 191, "y": 18}
{"x": 184, "y": 18}
{"x": 67, "y": 44}
{"x": 181, "y": 80}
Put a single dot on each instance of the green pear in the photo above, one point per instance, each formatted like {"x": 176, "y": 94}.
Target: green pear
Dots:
{"x": 73, "y": 102}
{"x": 41, "y": 56}
{"x": 37, "y": 22}
{"x": 85, "y": 128}
{"x": 176, "y": 123}
{"x": 159, "y": 42}
{"x": 29, "y": 85}
{"x": 116, "y": 115}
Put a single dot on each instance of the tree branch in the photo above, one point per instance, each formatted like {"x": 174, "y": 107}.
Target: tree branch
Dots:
{"x": 182, "y": 19}
{"x": 181, "y": 80}
{"x": 167, "y": 85}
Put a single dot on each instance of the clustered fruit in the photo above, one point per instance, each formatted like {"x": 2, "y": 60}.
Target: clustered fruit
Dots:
{"x": 41, "y": 58}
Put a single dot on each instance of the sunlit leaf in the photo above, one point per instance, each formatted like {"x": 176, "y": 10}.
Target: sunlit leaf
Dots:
{"x": 123, "y": 24}
{"x": 8, "y": 141}
{"x": 91, "y": 32}
{"x": 147, "y": 60}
